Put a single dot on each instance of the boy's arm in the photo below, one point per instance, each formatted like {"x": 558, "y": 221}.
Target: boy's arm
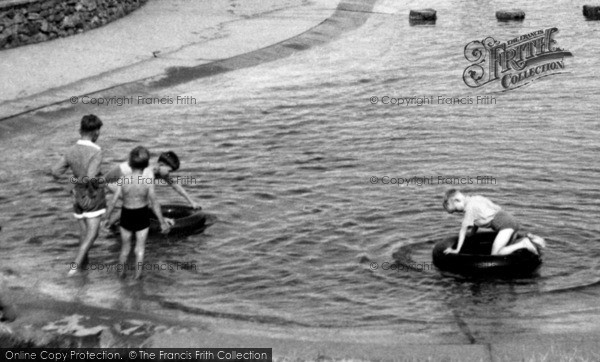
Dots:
{"x": 462, "y": 234}
{"x": 113, "y": 202}
{"x": 60, "y": 167}
{"x": 181, "y": 191}
{"x": 461, "y": 239}
{"x": 468, "y": 221}
{"x": 156, "y": 208}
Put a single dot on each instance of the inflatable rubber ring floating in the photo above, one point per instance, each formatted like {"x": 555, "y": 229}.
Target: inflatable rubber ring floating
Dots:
{"x": 475, "y": 258}
{"x": 187, "y": 220}
{"x": 423, "y": 16}
{"x": 510, "y": 15}
{"x": 591, "y": 12}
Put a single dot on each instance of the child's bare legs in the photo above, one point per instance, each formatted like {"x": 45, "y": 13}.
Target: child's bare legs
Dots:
{"x": 82, "y": 233}
{"x": 140, "y": 246}
{"x": 92, "y": 225}
{"x": 504, "y": 236}
{"x": 125, "y": 249}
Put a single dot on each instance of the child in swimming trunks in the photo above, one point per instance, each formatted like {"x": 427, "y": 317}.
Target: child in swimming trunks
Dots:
{"x": 84, "y": 159}
{"x": 167, "y": 162}
{"x": 135, "y": 215}
{"x": 481, "y": 212}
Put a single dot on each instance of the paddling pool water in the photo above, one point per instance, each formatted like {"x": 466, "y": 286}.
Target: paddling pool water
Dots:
{"x": 284, "y": 154}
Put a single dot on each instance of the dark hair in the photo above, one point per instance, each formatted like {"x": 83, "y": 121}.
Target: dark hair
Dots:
{"x": 90, "y": 123}
{"x": 169, "y": 158}
{"x": 139, "y": 158}
{"x": 449, "y": 194}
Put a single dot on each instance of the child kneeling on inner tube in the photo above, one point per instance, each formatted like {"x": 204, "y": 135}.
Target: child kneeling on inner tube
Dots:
{"x": 481, "y": 212}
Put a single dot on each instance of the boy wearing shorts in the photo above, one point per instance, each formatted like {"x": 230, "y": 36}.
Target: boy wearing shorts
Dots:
{"x": 137, "y": 195}
{"x": 84, "y": 159}
{"x": 481, "y": 212}
{"x": 167, "y": 162}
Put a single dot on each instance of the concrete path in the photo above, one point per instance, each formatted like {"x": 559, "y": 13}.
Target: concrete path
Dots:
{"x": 158, "y": 36}
{"x": 548, "y": 347}
{"x": 40, "y": 319}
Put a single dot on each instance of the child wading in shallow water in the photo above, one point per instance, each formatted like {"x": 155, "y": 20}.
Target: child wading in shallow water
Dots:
{"x": 167, "y": 162}
{"x": 481, "y": 212}
{"x": 84, "y": 159}
{"x": 135, "y": 215}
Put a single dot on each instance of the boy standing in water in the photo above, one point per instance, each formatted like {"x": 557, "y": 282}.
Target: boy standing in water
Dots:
{"x": 135, "y": 215}
{"x": 481, "y": 212}
{"x": 84, "y": 159}
{"x": 167, "y": 162}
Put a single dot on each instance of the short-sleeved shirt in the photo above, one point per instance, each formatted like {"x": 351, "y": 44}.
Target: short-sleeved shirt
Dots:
{"x": 479, "y": 211}
{"x": 84, "y": 159}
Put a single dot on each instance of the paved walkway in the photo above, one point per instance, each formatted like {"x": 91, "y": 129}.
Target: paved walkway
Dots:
{"x": 558, "y": 347}
{"x": 37, "y": 317}
{"x": 144, "y": 44}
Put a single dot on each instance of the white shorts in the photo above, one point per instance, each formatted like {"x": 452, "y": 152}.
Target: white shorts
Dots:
{"x": 90, "y": 214}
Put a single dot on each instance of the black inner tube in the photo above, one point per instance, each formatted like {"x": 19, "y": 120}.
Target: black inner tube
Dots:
{"x": 187, "y": 220}
{"x": 475, "y": 258}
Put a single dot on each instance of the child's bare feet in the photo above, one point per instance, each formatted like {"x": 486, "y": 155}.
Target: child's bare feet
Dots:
{"x": 72, "y": 272}
{"x": 539, "y": 241}
{"x": 530, "y": 246}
